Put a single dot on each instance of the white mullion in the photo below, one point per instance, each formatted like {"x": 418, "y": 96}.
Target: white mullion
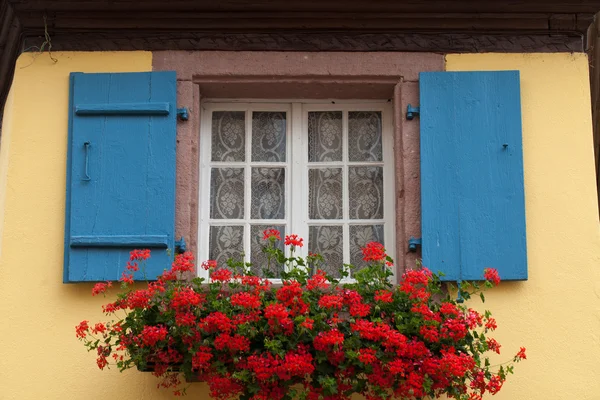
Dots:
{"x": 333, "y": 164}
{"x": 389, "y": 184}
{"x": 366, "y": 164}
{"x": 204, "y": 175}
{"x": 248, "y": 185}
{"x": 265, "y": 164}
{"x": 345, "y": 188}
{"x": 298, "y": 162}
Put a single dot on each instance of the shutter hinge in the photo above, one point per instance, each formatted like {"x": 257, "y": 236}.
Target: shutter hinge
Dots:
{"x": 413, "y": 243}
{"x": 412, "y": 112}
{"x": 180, "y": 245}
{"x": 182, "y": 113}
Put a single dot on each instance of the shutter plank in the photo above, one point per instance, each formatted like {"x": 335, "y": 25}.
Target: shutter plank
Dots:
{"x": 472, "y": 174}
{"x": 439, "y": 153}
{"x": 123, "y": 109}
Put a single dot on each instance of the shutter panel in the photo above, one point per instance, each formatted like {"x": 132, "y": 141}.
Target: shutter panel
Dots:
{"x": 120, "y": 173}
{"x": 472, "y": 195}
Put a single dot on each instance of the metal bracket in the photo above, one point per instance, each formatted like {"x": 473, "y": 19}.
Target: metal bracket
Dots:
{"x": 412, "y": 112}
{"x": 413, "y": 243}
{"x": 182, "y": 113}
{"x": 180, "y": 245}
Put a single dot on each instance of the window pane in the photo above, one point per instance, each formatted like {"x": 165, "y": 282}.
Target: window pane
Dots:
{"x": 324, "y": 136}
{"x": 360, "y": 235}
{"x": 325, "y": 193}
{"x": 228, "y": 136}
{"x": 227, "y": 193}
{"x": 259, "y": 260}
{"x": 268, "y": 193}
{"x": 328, "y": 242}
{"x": 365, "y": 190}
{"x": 226, "y": 242}
{"x": 364, "y": 136}
{"x": 268, "y": 136}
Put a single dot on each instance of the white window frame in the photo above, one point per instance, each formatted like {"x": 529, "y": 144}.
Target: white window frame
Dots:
{"x": 297, "y": 167}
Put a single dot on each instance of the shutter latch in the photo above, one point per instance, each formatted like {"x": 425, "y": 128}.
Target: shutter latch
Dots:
{"x": 412, "y": 112}
{"x": 182, "y": 113}
{"x": 180, "y": 245}
{"x": 413, "y": 243}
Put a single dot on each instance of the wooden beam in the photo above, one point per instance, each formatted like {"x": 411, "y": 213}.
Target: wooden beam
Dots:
{"x": 593, "y": 50}
{"x": 333, "y": 41}
{"x": 263, "y": 22}
{"x": 405, "y": 6}
{"x": 10, "y": 37}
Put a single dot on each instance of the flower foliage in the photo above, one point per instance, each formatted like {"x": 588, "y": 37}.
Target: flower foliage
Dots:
{"x": 313, "y": 337}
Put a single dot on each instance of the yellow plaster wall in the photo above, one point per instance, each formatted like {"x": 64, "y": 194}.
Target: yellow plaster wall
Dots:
{"x": 556, "y": 313}
{"x": 40, "y": 358}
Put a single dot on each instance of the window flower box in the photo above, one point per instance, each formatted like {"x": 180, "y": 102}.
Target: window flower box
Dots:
{"x": 313, "y": 337}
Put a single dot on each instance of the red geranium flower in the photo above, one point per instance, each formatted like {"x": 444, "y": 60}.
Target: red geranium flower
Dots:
{"x": 271, "y": 233}
{"x": 491, "y": 275}
{"x": 293, "y": 240}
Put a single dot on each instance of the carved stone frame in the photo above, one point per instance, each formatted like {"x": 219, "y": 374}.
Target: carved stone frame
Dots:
{"x": 392, "y": 76}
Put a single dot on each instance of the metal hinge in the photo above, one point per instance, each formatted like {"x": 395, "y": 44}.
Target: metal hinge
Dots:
{"x": 412, "y": 112}
{"x": 182, "y": 113}
{"x": 413, "y": 243}
{"x": 180, "y": 245}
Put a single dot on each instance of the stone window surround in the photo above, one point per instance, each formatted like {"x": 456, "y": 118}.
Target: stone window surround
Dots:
{"x": 392, "y": 76}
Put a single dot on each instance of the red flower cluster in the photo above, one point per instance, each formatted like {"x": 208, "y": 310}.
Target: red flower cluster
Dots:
{"x": 269, "y": 234}
{"x": 245, "y": 300}
{"x": 293, "y": 240}
{"x": 317, "y": 281}
{"x": 183, "y": 263}
{"x": 311, "y": 335}
{"x": 153, "y": 334}
{"x": 140, "y": 255}
{"x": 100, "y": 287}
{"x": 221, "y": 275}
{"x": 82, "y": 329}
{"x": 185, "y": 298}
{"x": 491, "y": 275}
{"x": 374, "y": 251}
{"x": 209, "y": 264}
{"x": 234, "y": 344}
{"x": 384, "y": 296}
{"x": 326, "y": 341}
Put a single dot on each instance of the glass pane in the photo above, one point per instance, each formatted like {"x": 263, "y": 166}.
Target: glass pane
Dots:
{"x": 325, "y": 193}
{"x": 365, "y": 192}
{"x": 268, "y": 136}
{"x": 364, "y": 136}
{"x": 360, "y": 235}
{"x": 324, "y": 136}
{"x": 328, "y": 242}
{"x": 227, "y": 193}
{"x": 260, "y": 261}
{"x": 268, "y": 193}
{"x": 226, "y": 242}
{"x": 228, "y": 136}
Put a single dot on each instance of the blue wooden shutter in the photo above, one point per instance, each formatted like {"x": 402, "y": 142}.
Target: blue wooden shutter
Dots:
{"x": 120, "y": 173}
{"x": 472, "y": 197}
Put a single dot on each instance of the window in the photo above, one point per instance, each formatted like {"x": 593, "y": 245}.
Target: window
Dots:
{"x": 322, "y": 171}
